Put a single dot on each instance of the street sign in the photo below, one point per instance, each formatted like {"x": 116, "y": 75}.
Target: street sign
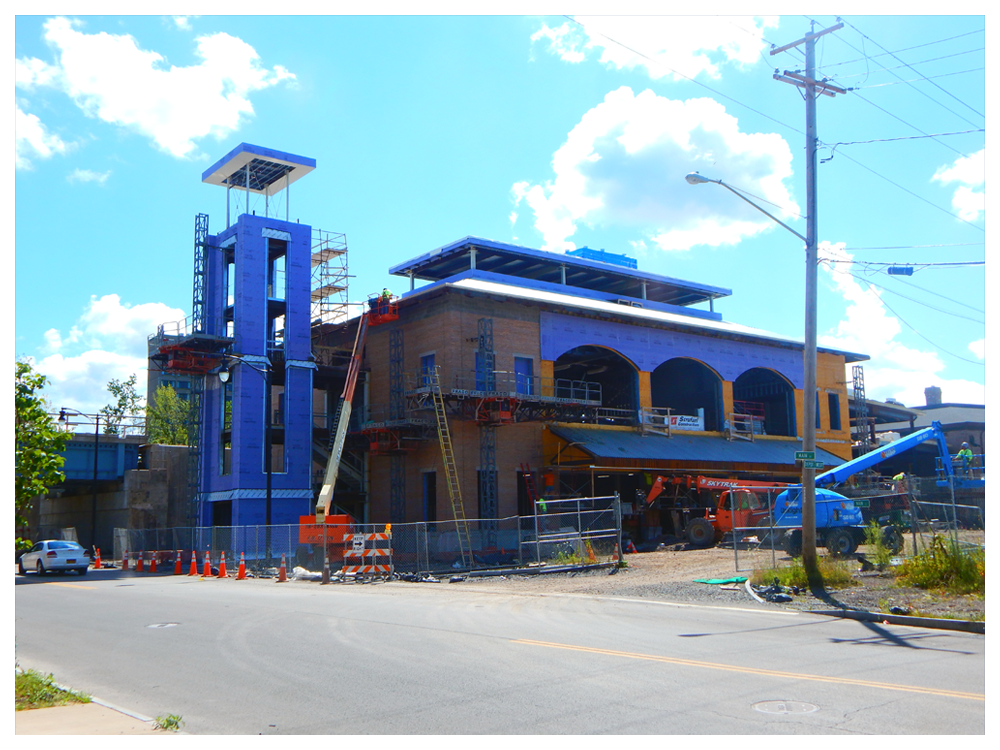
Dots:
{"x": 805, "y": 455}
{"x": 862, "y": 502}
{"x": 812, "y": 464}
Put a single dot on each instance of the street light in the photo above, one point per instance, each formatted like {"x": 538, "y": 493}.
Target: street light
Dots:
{"x": 224, "y": 376}
{"x": 97, "y": 435}
{"x": 808, "y": 376}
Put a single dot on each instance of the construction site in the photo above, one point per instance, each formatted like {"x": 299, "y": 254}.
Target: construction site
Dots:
{"x": 505, "y": 380}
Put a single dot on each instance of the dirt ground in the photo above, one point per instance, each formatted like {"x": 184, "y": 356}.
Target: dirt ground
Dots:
{"x": 669, "y": 572}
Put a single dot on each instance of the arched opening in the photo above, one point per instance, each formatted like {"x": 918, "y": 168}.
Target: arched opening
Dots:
{"x": 687, "y": 386}
{"x": 594, "y": 364}
{"x": 767, "y": 396}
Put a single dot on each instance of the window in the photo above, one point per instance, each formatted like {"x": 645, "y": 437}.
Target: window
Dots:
{"x": 427, "y": 369}
{"x": 833, "y": 402}
{"x": 819, "y": 421}
{"x": 523, "y": 374}
{"x": 430, "y": 496}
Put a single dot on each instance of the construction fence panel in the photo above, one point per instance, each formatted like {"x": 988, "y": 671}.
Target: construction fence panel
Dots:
{"x": 570, "y": 532}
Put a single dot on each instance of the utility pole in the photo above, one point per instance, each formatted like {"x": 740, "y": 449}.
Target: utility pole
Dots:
{"x": 812, "y": 89}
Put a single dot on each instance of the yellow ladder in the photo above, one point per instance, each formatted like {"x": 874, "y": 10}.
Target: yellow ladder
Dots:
{"x": 451, "y": 472}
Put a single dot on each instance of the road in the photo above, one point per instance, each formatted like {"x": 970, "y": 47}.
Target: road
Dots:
{"x": 259, "y": 657}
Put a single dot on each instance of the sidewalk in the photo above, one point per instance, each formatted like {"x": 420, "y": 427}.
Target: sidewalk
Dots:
{"x": 83, "y": 718}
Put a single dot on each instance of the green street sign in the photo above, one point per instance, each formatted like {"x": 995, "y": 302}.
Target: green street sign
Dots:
{"x": 805, "y": 455}
{"x": 861, "y": 502}
{"x": 812, "y": 464}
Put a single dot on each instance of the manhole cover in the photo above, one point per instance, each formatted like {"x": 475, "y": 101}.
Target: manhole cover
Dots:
{"x": 785, "y": 707}
{"x": 163, "y": 625}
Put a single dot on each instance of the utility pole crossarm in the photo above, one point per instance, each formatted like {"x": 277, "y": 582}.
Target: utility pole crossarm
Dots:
{"x": 806, "y": 38}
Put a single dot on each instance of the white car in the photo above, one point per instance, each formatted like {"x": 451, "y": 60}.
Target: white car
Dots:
{"x": 54, "y": 554}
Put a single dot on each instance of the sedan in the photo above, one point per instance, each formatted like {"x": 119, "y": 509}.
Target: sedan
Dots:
{"x": 54, "y": 554}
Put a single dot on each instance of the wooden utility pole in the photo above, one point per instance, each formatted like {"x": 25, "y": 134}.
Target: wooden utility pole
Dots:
{"x": 812, "y": 89}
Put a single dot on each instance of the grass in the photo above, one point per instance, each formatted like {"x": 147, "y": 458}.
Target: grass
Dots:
{"x": 169, "y": 723}
{"x": 878, "y": 552}
{"x": 834, "y": 574}
{"x": 35, "y": 690}
{"x": 947, "y": 567}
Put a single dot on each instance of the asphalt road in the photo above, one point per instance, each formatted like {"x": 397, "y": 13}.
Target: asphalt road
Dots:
{"x": 258, "y": 657}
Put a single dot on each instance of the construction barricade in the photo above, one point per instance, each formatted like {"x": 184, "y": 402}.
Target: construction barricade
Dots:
{"x": 368, "y": 554}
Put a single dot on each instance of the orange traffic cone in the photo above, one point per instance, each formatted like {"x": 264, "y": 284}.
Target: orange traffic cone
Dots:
{"x": 614, "y": 555}
{"x": 222, "y": 566}
{"x": 125, "y": 560}
{"x": 207, "y": 572}
{"x": 97, "y": 559}
{"x": 194, "y": 564}
{"x": 241, "y": 572}
{"x": 177, "y": 564}
{"x": 139, "y": 561}
{"x": 282, "y": 575}
{"x": 152, "y": 564}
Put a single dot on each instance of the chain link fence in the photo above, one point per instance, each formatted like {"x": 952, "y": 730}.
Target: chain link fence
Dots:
{"x": 572, "y": 532}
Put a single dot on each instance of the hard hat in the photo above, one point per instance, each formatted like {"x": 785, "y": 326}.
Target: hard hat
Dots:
{"x": 965, "y": 445}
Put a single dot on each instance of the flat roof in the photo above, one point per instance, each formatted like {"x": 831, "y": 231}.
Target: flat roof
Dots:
{"x": 270, "y": 170}
{"x": 639, "y": 314}
{"x": 542, "y": 265}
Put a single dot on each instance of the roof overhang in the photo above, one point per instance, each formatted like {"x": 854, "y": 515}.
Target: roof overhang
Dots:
{"x": 269, "y": 172}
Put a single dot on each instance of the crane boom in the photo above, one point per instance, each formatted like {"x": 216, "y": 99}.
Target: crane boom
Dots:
{"x": 343, "y": 419}
{"x": 934, "y": 432}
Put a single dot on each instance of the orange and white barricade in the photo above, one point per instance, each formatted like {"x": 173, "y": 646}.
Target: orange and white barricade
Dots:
{"x": 368, "y": 554}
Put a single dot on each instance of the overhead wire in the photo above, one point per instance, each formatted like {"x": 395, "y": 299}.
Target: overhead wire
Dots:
{"x": 914, "y": 80}
{"x": 903, "y": 138}
{"x": 897, "y": 67}
{"x": 944, "y": 90}
{"x": 758, "y": 112}
{"x": 907, "y": 324}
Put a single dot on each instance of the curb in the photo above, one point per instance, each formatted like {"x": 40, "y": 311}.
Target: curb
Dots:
{"x": 967, "y": 626}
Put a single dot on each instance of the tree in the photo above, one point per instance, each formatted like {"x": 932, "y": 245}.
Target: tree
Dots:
{"x": 168, "y": 417}
{"x": 128, "y": 403}
{"x": 38, "y": 442}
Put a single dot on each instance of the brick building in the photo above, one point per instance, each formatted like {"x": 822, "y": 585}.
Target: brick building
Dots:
{"x": 590, "y": 374}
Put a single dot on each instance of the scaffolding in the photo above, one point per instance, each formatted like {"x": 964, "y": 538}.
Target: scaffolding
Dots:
{"x": 328, "y": 290}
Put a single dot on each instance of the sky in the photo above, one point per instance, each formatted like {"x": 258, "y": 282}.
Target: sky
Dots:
{"x": 550, "y": 132}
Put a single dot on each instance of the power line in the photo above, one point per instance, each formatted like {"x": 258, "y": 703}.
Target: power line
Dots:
{"x": 686, "y": 78}
{"x": 918, "y": 266}
{"x": 912, "y": 247}
{"x": 897, "y": 67}
{"x": 866, "y": 101}
{"x": 911, "y": 299}
{"x": 903, "y": 138}
{"x": 936, "y": 346}
{"x": 915, "y": 70}
{"x": 919, "y": 197}
{"x": 925, "y": 78}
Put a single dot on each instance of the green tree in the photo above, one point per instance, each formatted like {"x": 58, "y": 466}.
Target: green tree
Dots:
{"x": 168, "y": 417}
{"x": 127, "y": 403}
{"x": 38, "y": 442}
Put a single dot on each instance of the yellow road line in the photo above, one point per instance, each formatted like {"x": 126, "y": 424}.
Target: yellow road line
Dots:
{"x": 753, "y": 670}
{"x": 68, "y": 585}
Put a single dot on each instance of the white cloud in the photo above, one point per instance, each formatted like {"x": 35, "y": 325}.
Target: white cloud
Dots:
{"x": 86, "y": 175}
{"x": 688, "y": 45}
{"x": 978, "y": 348}
{"x": 33, "y": 140}
{"x": 182, "y": 22}
{"x": 894, "y": 370}
{"x": 624, "y": 164}
{"x": 111, "y": 78}
{"x": 970, "y": 173}
{"x": 108, "y": 341}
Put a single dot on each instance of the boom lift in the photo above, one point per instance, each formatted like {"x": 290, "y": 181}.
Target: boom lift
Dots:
{"x": 839, "y": 522}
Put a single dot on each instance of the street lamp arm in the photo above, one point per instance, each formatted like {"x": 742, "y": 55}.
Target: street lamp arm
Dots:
{"x": 696, "y": 179}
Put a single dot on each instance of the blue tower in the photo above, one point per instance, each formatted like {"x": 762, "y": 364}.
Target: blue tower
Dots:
{"x": 252, "y": 292}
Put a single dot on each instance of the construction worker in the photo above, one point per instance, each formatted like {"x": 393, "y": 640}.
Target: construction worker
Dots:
{"x": 964, "y": 457}
{"x": 383, "y": 307}
{"x": 900, "y": 482}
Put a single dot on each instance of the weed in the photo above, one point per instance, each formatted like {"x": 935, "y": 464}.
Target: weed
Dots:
{"x": 169, "y": 723}
{"x": 945, "y": 565}
{"x": 878, "y": 551}
{"x": 834, "y": 574}
{"x": 35, "y": 690}
{"x": 567, "y": 558}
